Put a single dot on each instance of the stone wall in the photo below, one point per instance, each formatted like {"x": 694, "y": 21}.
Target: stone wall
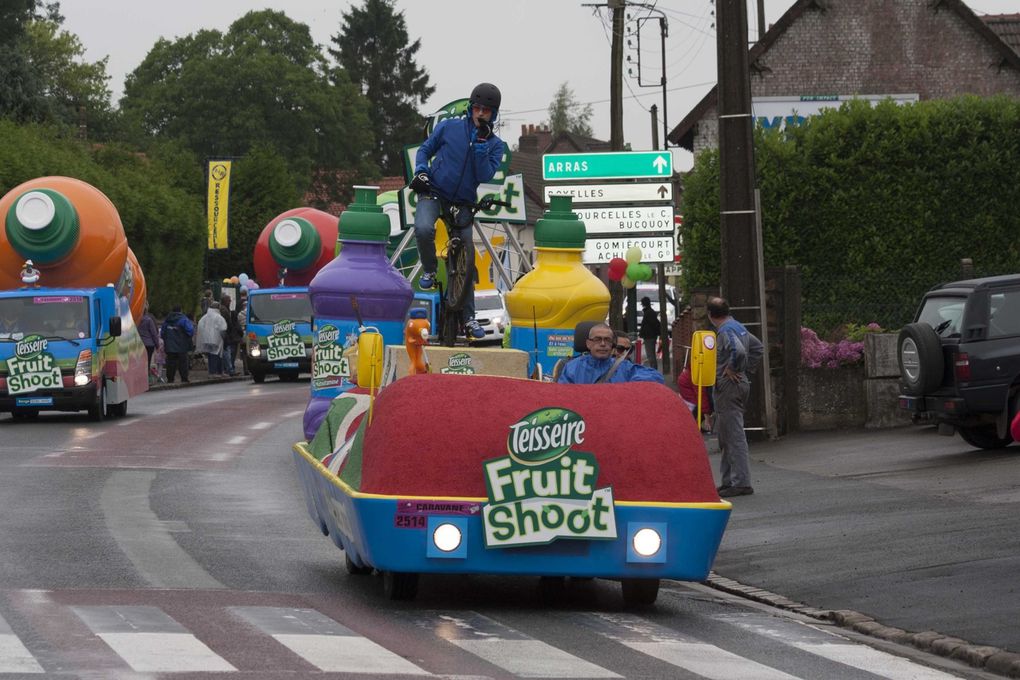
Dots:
{"x": 864, "y": 395}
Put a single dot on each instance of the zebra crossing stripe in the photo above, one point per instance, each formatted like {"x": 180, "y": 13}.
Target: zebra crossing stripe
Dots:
{"x": 14, "y": 656}
{"x": 680, "y": 650}
{"x": 324, "y": 643}
{"x": 148, "y": 640}
{"x": 836, "y": 648}
{"x": 509, "y": 649}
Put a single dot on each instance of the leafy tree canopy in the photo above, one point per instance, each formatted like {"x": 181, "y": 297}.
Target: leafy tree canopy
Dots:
{"x": 567, "y": 115}
{"x": 261, "y": 84}
{"x": 373, "y": 48}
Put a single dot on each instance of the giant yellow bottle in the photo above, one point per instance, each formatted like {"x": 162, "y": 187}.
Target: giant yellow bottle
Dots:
{"x": 559, "y": 293}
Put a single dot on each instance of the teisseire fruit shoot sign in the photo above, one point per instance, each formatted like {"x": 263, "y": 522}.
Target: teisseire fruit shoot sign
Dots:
{"x": 545, "y": 490}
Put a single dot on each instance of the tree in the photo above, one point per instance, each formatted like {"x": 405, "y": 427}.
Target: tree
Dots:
{"x": 373, "y": 48}
{"x": 567, "y": 115}
{"x": 263, "y": 83}
{"x": 74, "y": 90}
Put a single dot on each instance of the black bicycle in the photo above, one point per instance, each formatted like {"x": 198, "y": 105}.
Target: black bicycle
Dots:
{"x": 459, "y": 261}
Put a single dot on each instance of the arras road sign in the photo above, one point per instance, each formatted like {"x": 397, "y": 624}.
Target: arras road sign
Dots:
{"x": 617, "y": 164}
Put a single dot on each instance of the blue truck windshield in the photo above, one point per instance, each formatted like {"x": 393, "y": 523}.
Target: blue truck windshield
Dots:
{"x": 51, "y": 316}
{"x": 273, "y": 307}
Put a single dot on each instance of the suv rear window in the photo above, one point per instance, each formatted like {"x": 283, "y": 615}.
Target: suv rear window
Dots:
{"x": 943, "y": 314}
{"x": 1005, "y": 317}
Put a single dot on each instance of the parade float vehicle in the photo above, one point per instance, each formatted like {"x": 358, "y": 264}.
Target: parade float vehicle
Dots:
{"x": 516, "y": 477}
{"x": 448, "y": 460}
{"x": 289, "y": 252}
{"x": 70, "y": 292}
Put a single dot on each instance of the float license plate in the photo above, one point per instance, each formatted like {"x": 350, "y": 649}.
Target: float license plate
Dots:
{"x": 285, "y": 364}
{"x": 33, "y": 401}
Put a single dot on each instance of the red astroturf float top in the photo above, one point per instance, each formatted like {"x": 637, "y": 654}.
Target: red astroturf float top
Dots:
{"x": 430, "y": 435}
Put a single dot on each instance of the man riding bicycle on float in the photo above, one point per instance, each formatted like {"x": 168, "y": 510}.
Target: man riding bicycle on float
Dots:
{"x": 464, "y": 153}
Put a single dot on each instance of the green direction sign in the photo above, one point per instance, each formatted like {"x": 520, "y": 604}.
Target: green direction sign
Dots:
{"x": 618, "y": 165}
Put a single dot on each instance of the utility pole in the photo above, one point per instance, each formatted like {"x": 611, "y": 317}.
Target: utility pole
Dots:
{"x": 761, "y": 18}
{"x": 739, "y": 238}
{"x": 616, "y": 77}
{"x": 655, "y": 126}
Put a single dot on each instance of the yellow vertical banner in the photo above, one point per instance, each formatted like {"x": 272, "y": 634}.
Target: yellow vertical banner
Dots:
{"x": 219, "y": 202}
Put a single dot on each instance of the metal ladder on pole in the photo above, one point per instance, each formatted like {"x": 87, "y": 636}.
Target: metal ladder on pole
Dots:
{"x": 523, "y": 259}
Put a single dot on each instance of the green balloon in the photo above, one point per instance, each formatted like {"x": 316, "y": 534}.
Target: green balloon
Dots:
{"x": 634, "y": 271}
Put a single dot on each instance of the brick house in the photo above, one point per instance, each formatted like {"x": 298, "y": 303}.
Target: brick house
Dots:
{"x": 936, "y": 49}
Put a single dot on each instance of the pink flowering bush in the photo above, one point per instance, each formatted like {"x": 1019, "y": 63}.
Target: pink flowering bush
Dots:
{"x": 818, "y": 353}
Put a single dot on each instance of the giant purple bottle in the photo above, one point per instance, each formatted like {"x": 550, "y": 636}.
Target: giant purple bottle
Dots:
{"x": 360, "y": 280}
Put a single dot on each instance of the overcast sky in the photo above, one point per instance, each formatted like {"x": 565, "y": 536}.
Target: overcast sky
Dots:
{"x": 526, "y": 47}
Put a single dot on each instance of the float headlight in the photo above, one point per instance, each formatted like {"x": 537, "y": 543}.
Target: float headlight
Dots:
{"x": 647, "y": 542}
{"x": 255, "y": 351}
{"x": 447, "y": 537}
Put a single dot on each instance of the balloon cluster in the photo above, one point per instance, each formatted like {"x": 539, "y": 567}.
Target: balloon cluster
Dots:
{"x": 243, "y": 281}
{"x": 629, "y": 272}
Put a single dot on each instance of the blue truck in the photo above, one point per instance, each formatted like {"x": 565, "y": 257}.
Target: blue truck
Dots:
{"x": 278, "y": 333}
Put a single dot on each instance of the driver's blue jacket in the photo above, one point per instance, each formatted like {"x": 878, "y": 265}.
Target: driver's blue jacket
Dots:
{"x": 586, "y": 369}
{"x": 459, "y": 162}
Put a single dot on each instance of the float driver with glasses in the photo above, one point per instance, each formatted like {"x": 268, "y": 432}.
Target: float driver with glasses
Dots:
{"x": 464, "y": 152}
{"x": 604, "y": 363}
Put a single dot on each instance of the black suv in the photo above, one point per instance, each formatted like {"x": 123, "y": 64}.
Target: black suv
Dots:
{"x": 960, "y": 359}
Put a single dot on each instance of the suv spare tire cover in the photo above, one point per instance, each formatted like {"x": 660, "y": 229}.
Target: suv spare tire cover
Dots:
{"x": 919, "y": 352}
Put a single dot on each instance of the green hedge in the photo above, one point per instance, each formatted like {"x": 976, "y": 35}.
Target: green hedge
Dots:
{"x": 875, "y": 204}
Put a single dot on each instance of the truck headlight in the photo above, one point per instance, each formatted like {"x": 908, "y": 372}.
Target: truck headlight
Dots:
{"x": 255, "y": 351}
{"x": 83, "y": 368}
{"x": 447, "y": 537}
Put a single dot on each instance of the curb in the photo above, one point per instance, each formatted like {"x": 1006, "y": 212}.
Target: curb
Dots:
{"x": 992, "y": 659}
{"x": 195, "y": 383}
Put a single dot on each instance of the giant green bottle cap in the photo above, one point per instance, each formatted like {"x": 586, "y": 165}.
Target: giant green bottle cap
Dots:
{"x": 42, "y": 226}
{"x": 364, "y": 220}
{"x": 294, "y": 243}
{"x": 559, "y": 227}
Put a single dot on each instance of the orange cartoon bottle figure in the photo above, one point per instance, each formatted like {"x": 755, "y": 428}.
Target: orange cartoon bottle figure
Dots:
{"x": 294, "y": 246}
{"x": 70, "y": 231}
{"x": 416, "y": 337}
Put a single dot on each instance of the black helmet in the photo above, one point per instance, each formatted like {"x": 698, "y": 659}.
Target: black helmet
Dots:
{"x": 486, "y": 94}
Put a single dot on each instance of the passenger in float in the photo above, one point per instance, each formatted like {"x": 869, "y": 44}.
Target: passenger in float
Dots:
{"x": 599, "y": 366}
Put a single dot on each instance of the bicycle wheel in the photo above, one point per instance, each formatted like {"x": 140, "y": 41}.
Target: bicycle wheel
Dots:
{"x": 449, "y": 326}
{"x": 457, "y": 271}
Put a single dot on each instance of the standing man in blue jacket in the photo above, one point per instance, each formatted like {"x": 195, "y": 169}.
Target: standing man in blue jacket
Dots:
{"x": 460, "y": 154}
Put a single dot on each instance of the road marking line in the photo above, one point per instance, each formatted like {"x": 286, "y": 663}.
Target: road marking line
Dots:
{"x": 677, "y": 649}
{"x": 292, "y": 414}
{"x": 15, "y": 657}
{"x": 262, "y": 426}
{"x": 509, "y": 649}
{"x": 347, "y": 654}
{"x": 140, "y": 534}
{"x": 149, "y": 639}
{"x": 165, "y": 652}
{"x": 837, "y": 648}
{"x": 324, "y": 643}
{"x": 234, "y": 441}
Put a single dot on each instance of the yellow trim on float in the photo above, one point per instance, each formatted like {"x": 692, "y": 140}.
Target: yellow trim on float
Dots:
{"x": 302, "y": 449}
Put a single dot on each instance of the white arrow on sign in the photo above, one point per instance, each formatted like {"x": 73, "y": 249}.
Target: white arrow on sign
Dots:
{"x": 621, "y": 192}
{"x": 660, "y": 163}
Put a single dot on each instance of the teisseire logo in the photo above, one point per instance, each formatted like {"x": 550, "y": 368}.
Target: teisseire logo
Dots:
{"x": 284, "y": 326}
{"x": 32, "y": 368}
{"x": 545, "y": 489}
{"x": 328, "y": 334}
{"x": 458, "y": 363}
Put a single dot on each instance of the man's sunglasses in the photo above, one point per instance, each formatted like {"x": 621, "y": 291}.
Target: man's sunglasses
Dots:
{"x": 622, "y": 349}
